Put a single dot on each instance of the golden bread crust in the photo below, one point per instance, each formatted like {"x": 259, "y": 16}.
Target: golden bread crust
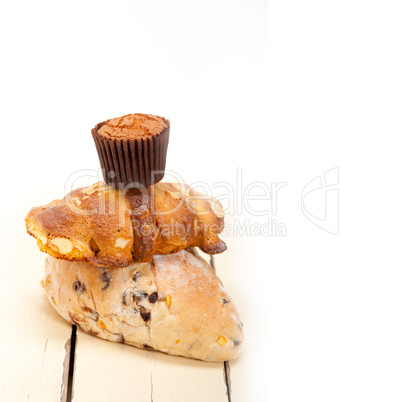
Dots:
{"x": 110, "y": 227}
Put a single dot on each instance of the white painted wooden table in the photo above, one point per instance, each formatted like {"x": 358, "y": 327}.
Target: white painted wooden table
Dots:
{"x": 43, "y": 358}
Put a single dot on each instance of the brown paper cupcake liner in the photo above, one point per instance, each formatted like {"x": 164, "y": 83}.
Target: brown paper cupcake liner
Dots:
{"x": 126, "y": 162}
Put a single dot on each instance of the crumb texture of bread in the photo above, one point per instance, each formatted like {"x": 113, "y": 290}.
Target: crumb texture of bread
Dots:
{"x": 106, "y": 226}
{"x": 174, "y": 304}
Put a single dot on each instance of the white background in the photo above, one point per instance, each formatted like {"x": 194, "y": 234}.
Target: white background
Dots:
{"x": 285, "y": 91}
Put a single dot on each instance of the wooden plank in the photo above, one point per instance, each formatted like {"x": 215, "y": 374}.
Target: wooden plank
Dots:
{"x": 34, "y": 338}
{"x": 180, "y": 379}
{"x": 106, "y": 371}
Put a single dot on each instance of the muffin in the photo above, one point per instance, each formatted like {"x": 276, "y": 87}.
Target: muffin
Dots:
{"x": 132, "y": 149}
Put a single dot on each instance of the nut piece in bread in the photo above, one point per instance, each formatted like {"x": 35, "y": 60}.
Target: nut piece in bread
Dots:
{"x": 175, "y": 304}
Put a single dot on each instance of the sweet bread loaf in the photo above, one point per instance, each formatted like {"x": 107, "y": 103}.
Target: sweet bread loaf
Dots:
{"x": 106, "y": 226}
{"x": 175, "y": 304}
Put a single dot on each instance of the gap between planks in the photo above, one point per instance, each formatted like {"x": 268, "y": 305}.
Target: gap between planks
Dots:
{"x": 69, "y": 365}
{"x": 226, "y": 374}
